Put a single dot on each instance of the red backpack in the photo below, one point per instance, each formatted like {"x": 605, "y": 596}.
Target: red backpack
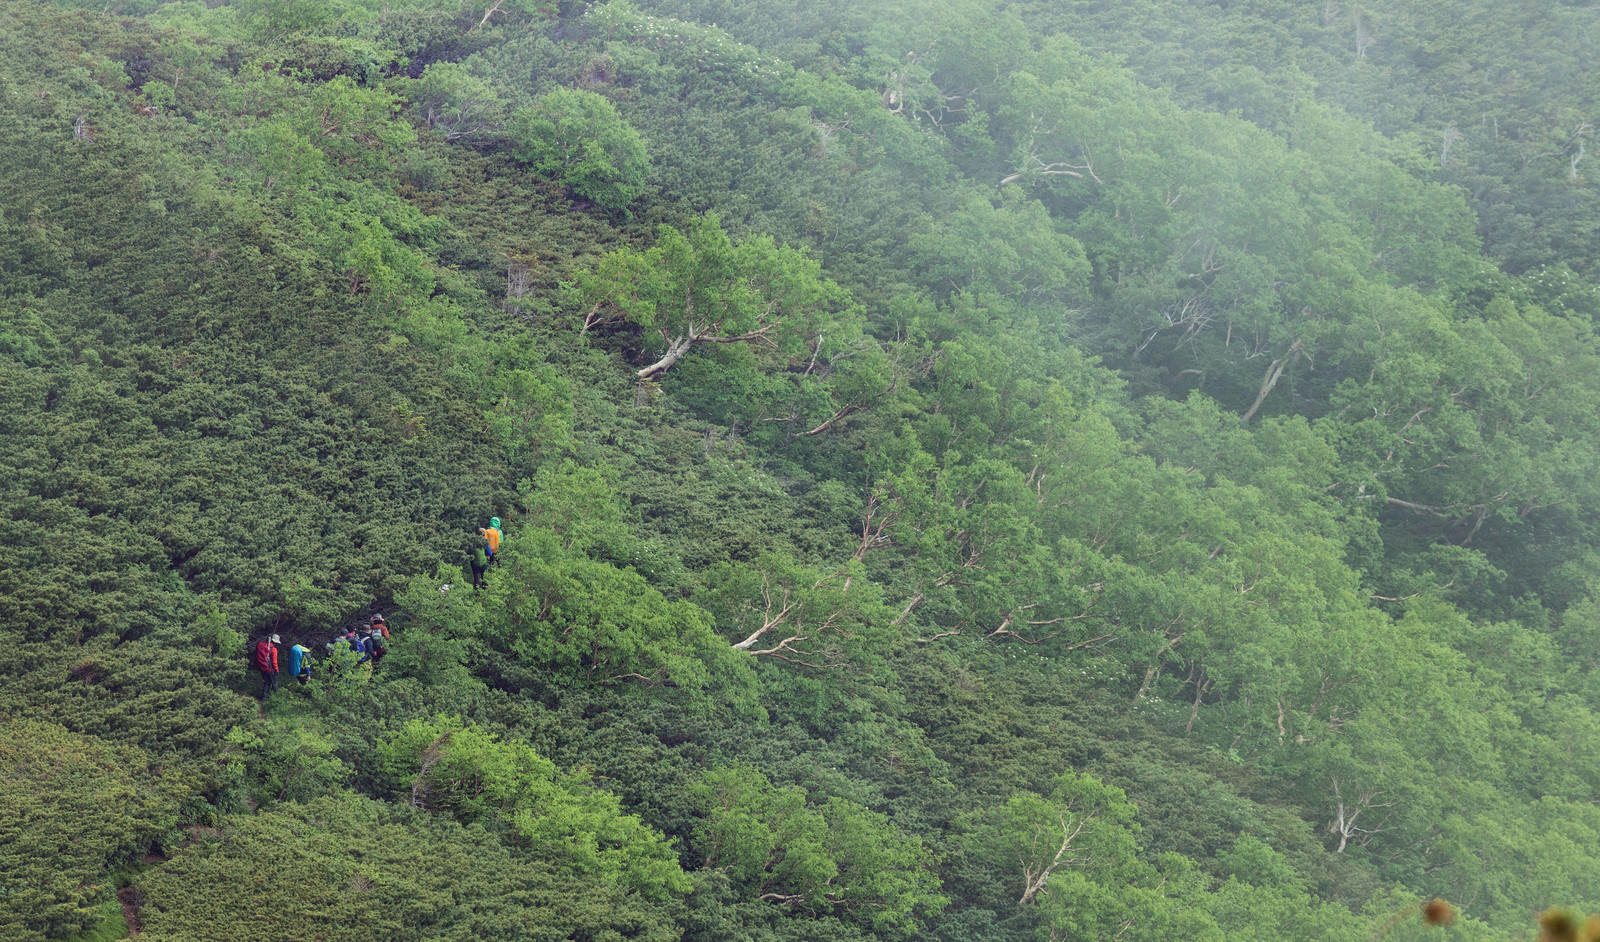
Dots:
{"x": 266, "y": 656}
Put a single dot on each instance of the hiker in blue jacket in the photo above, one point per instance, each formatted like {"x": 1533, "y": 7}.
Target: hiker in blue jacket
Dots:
{"x": 300, "y": 663}
{"x": 358, "y": 646}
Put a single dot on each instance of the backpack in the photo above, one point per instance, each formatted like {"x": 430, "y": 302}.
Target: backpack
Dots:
{"x": 264, "y": 655}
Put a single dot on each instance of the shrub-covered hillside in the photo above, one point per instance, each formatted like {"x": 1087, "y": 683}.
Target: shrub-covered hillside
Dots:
{"x": 969, "y": 471}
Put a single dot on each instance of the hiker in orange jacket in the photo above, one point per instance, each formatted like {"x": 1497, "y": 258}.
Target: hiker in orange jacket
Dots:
{"x": 491, "y": 537}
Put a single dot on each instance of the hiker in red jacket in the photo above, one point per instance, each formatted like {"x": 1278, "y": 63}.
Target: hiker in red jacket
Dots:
{"x": 267, "y": 663}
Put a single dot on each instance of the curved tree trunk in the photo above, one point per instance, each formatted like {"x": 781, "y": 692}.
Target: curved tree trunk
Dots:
{"x": 676, "y": 348}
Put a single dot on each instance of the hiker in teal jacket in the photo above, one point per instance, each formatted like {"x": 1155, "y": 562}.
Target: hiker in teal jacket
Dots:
{"x": 300, "y": 663}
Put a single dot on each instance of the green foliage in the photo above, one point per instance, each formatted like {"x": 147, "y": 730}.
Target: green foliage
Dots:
{"x": 1389, "y": 68}
{"x": 1037, "y": 839}
{"x": 696, "y": 287}
{"x": 529, "y": 407}
{"x": 1140, "y": 404}
{"x": 558, "y": 819}
{"x": 577, "y": 138}
{"x": 287, "y": 762}
{"x": 112, "y": 800}
{"x": 577, "y": 504}
{"x": 449, "y": 99}
{"x": 776, "y": 847}
{"x": 112, "y": 925}
{"x": 795, "y": 614}
{"x": 271, "y": 20}
{"x": 589, "y": 622}
{"x": 346, "y": 867}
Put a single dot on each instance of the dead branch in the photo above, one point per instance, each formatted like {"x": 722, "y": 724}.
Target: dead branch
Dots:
{"x": 1274, "y": 373}
{"x": 1034, "y": 876}
{"x": 430, "y": 757}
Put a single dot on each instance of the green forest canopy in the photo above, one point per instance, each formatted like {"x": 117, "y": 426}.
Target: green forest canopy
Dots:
{"x": 970, "y": 470}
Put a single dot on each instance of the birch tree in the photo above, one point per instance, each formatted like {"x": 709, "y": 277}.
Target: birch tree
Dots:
{"x": 697, "y": 287}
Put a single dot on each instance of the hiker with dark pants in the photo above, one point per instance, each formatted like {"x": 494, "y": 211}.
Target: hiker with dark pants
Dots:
{"x": 267, "y": 664}
{"x": 479, "y": 561}
{"x": 491, "y": 538}
{"x": 375, "y": 645}
{"x": 357, "y": 647}
{"x": 300, "y": 663}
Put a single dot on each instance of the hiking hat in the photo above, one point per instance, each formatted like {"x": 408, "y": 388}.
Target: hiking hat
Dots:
{"x": 274, "y": 639}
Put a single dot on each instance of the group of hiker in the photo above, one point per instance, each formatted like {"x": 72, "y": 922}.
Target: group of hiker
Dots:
{"x": 367, "y": 643}
{"x": 370, "y": 642}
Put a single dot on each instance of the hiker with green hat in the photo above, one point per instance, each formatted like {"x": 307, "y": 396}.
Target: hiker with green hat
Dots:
{"x": 491, "y": 536}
